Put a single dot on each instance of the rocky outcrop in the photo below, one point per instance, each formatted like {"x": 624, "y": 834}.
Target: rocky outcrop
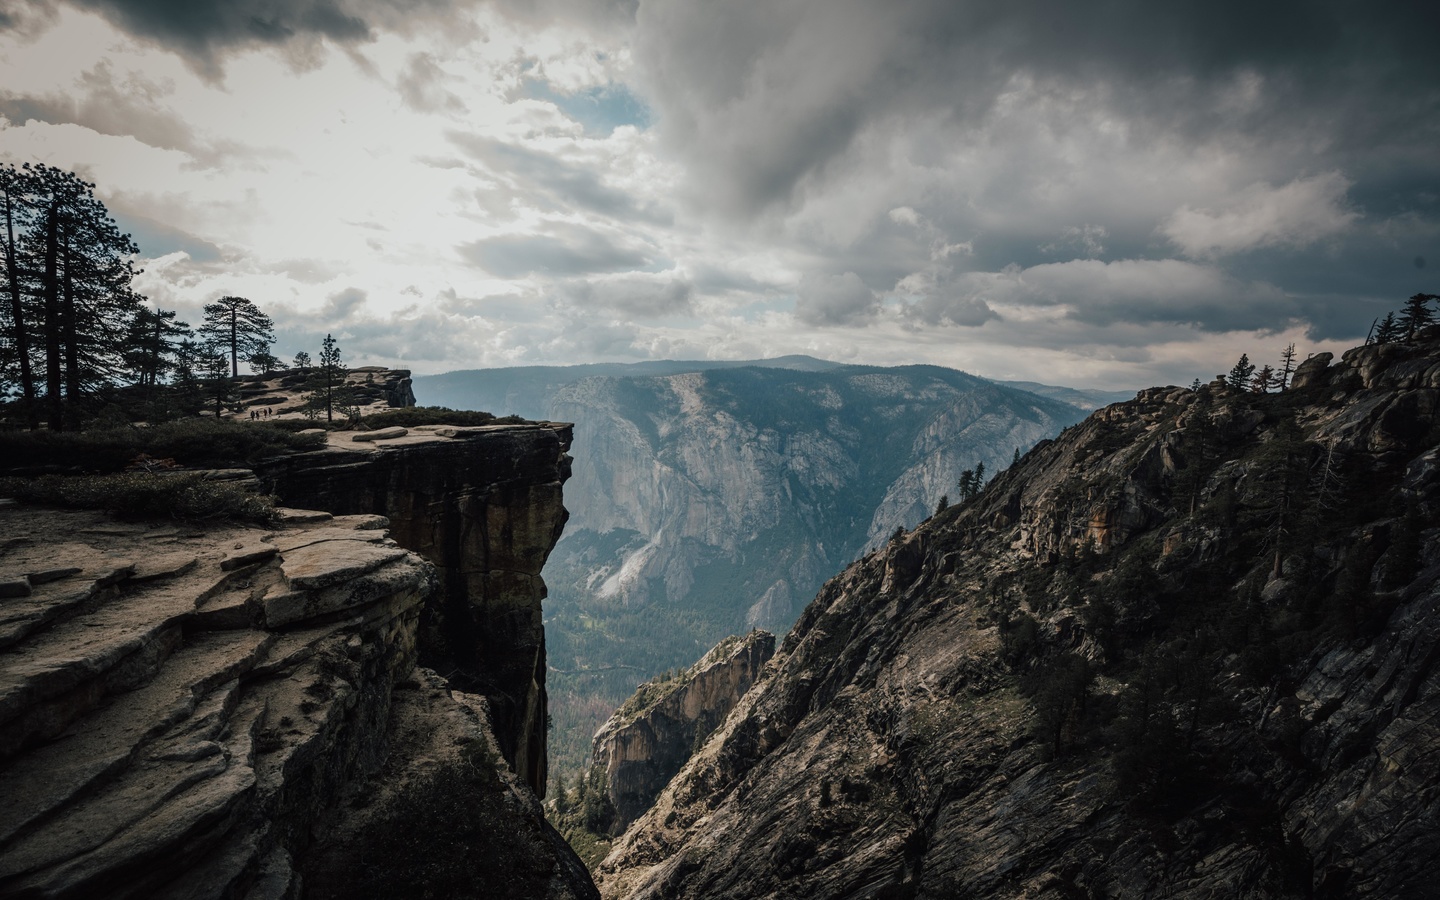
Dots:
{"x": 1186, "y": 649}
{"x": 648, "y": 739}
{"x": 370, "y": 389}
{"x": 179, "y": 705}
{"x": 484, "y": 506}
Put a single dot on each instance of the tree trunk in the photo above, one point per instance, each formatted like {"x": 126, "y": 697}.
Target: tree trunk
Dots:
{"x": 234, "y": 342}
{"x": 52, "y": 318}
{"x": 17, "y": 310}
{"x": 69, "y": 317}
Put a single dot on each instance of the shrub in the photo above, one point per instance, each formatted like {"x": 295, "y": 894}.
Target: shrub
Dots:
{"x": 190, "y": 442}
{"x": 184, "y": 495}
{"x": 436, "y": 415}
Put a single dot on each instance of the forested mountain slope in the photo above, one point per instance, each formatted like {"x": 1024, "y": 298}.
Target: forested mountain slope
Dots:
{"x": 1186, "y": 649}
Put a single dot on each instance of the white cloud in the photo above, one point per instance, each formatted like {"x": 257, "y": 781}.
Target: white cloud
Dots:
{"x": 1293, "y": 215}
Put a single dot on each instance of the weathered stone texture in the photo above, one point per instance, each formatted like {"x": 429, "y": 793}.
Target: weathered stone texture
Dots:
{"x": 484, "y": 505}
{"x": 161, "y": 737}
{"x": 647, "y": 741}
{"x": 887, "y": 751}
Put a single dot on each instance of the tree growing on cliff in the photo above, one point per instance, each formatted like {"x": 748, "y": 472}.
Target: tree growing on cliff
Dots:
{"x": 1263, "y": 380}
{"x": 238, "y": 326}
{"x": 1417, "y": 314}
{"x": 327, "y": 383}
{"x": 1389, "y": 330}
{"x": 1241, "y": 373}
{"x": 1287, "y": 367}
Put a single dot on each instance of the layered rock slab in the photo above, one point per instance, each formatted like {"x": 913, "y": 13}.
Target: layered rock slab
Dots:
{"x": 161, "y": 737}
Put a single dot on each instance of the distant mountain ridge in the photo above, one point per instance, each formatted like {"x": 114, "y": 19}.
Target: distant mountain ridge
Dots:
{"x": 709, "y": 498}
{"x": 522, "y": 390}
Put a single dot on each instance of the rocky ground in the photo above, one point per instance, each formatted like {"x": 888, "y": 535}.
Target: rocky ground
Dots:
{"x": 1187, "y": 649}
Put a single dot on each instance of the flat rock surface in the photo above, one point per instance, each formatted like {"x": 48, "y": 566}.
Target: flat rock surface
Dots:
{"x": 319, "y": 565}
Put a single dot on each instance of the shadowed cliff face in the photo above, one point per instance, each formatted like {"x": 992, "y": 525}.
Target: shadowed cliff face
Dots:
{"x": 648, "y": 739}
{"x": 484, "y": 506}
{"x": 1185, "y": 649}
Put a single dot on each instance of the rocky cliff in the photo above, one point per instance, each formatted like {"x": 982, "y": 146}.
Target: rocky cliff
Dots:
{"x": 484, "y": 506}
{"x": 179, "y": 705}
{"x": 231, "y": 712}
{"x": 651, "y": 736}
{"x": 1186, "y": 649}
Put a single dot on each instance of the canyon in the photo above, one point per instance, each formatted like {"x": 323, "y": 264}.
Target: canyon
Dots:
{"x": 1187, "y": 648}
{"x": 712, "y": 498}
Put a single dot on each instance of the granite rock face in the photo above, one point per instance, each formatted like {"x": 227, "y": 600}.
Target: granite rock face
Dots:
{"x": 484, "y": 506}
{"x": 237, "y": 712}
{"x": 164, "y": 734}
{"x": 648, "y": 739}
{"x": 1187, "y": 649}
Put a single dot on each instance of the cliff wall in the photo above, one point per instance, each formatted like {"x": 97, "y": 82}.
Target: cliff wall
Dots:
{"x": 484, "y": 506}
{"x": 648, "y": 739}
{"x": 178, "y": 705}
{"x": 1186, "y": 649}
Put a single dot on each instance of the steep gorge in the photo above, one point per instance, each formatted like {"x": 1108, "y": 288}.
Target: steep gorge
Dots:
{"x": 1185, "y": 649}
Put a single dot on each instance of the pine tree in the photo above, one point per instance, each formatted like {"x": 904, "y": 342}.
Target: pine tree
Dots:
{"x": 1263, "y": 380}
{"x": 238, "y": 326}
{"x": 216, "y": 381}
{"x": 1287, "y": 367}
{"x": 302, "y": 361}
{"x": 68, "y": 274}
{"x": 264, "y": 362}
{"x": 327, "y": 384}
{"x": 14, "y": 191}
{"x": 1417, "y": 314}
{"x": 1241, "y": 373}
{"x": 1389, "y": 330}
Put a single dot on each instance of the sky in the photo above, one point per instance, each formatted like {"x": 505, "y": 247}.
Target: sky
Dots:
{"x": 1099, "y": 194}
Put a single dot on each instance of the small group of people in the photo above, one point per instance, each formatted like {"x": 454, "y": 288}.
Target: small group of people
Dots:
{"x": 259, "y": 413}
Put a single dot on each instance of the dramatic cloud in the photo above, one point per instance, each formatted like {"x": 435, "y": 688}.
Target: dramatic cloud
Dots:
{"x": 1294, "y": 215}
{"x": 1106, "y": 194}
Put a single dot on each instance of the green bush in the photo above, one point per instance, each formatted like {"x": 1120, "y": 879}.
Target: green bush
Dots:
{"x": 144, "y": 495}
{"x": 189, "y": 442}
{"x": 436, "y": 415}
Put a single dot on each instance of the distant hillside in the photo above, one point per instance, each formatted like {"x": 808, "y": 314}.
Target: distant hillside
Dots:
{"x": 1084, "y": 398}
{"x": 714, "y": 499}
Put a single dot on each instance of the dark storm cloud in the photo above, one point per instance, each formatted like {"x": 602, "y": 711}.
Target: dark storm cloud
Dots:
{"x": 567, "y": 250}
{"x": 203, "y": 30}
{"x": 763, "y": 97}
